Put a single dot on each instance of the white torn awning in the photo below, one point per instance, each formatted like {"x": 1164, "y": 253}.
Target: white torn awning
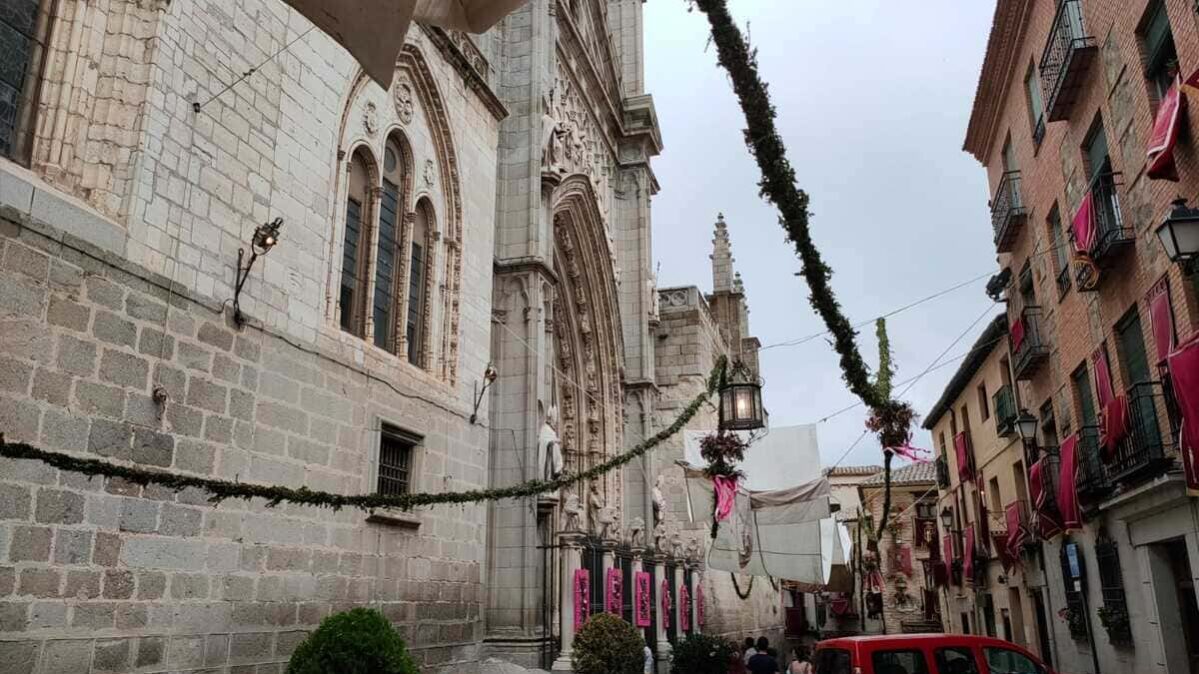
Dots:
{"x": 373, "y": 31}
{"x": 789, "y": 534}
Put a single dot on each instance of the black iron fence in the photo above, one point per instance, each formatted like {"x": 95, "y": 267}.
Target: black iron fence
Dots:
{"x": 1032, "y": 351}
{"x": 1146, "y": 450}
{"x": 1007, "y": 211}
{"x": 1068, "y": 53}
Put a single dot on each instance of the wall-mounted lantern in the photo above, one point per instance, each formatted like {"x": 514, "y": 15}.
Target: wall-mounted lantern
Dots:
{"x": 266, "y": 236}
{"x": 1179, "y": 233}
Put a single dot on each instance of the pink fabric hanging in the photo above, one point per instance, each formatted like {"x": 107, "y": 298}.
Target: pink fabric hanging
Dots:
{"x": 1166, "y": 126}
{"x": 999, "y": 540}
{"x": 684, "y": 610}
{"x": 642, "y": 610}
{"x": 726, "y": 496}
{"x": 666, "y": 606}
{"x": 1017, "y": 334}
{"x": 614, "y": 595}
{"x": 1017, "y": 534}
{"x": 1113, "y": 408}
{"x": 1184, "y": 377}
{"x": 582, "y": 597}
{"x": 1067, "y": 490}
{"x": 968, "y": 556}
{"x": 961, "y": 448}
{"x": 1162, "y": 319}
{"x": 1083, "y": 225}
{"x": 913, "y": 454}
{"x": 1048, "y": 522}
{"x": 905, "y": 561}
{"x": 701, "y": 614}
{"x": 839, "y": 604}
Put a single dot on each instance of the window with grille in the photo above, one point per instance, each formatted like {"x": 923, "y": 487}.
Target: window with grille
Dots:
{"x": 1113, "y": 615}
{"x": 24, "y": 30}
{"x": 396, "y": 451}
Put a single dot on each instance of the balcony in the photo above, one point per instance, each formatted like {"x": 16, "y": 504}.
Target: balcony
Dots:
{"x": 1004, "y": 404}
{"x": 1008, "y": 214}
{"x": 1147, "y": 450}
{"x": 1063, "y": 281}
{"x": 1093, "y": 483}
{"x": 942, "y": 472}
{"x": 1051, "y": 475}
{"x": 1031, "y": 351}
{"x": 1066, "y": 60}
{"x": 1112, "y": 234}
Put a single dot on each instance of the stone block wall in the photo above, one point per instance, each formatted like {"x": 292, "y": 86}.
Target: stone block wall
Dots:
{"x": 102, "y": 575}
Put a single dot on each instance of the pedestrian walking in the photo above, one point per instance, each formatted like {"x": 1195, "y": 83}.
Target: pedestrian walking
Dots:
{"x": 763, "y": 662}
{"x": 801, "y": 664}
{"x": 748, "y": 651}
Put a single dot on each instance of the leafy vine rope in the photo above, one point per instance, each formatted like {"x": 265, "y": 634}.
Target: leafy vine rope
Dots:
{"x": 274, "y": 495}
{"x": 890, "y": 419}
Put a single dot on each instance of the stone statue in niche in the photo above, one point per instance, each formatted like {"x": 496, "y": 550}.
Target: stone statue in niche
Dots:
{"x": 695, "y": 550}
{"x": 430, "y": 173}
{"x": 660, "y": 535}
{"x": 637, "y": 532}
{"x": 573, "y": 512}
{"x": 370, "y": 118}
{"x": 549, "y": 446}
{"x": 551, "y": 137}
{"x": 602, "y": 517}
{"x": 659, "y": 501}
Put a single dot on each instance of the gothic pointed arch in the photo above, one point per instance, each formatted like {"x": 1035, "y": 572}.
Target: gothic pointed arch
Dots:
{"x": 588, "y": 337}
{"x": 413, "y": 71}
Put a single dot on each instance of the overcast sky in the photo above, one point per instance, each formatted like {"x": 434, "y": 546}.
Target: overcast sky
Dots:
{"x": 873, "y": 99}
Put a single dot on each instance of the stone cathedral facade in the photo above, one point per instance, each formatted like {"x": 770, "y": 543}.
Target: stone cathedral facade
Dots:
{"x": 490, "y": 209}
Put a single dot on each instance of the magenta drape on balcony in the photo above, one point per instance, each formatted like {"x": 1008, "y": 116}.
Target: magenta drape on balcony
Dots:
{"x": 1067, "y": 486}
{"x": 961, "y": 450}
{"x": 999, "y": 540}
{"x": 1184, "y": 376}
{"x": 1017, "y": 333}
{"x": 1113, "y": 408}
{"x": 968, "y": 555}
{"x": 1165, "y": 134}
{"x": 1162, "y": 318}
{"x": 1017, "y": 534}
{"x": 1048, "y": 520}
{"x": 1083, "y": 225}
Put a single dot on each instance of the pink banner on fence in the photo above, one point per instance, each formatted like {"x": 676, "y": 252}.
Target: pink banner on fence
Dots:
{"x": 1067, "y": 489}
{"x": 684, "y": 608}
{"x": 1113, "y": 408}
{"x": 726, "y": 496}
{"x": 666, "y": 605}
{"x": 1160, "y": 151}
{"x": 642, "y": 605}
{"x": 1184, "y": 377}
{"x": 1083, "y": 225}
{"x": 614, "y": 592}
{"x": 582, "y": 597}
{"x": 1162, "y": 319}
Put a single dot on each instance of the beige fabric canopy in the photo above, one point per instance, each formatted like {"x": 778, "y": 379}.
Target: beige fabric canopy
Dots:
{"x": 373, "y": 30}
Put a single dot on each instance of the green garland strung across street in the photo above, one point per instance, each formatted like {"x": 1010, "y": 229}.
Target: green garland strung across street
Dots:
{"x": 890, "y": 419}
{"x": 274, "y": 495}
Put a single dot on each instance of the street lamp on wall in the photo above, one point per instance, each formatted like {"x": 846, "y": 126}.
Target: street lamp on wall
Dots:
{"x": 741, "y": 401}
{"x": 1179, "y": 234}
{"x": 489, "y": 377}
{"x": 1026, "y": 424}
{"x": 947, "y": 519}
{"x": 266, "y": 236}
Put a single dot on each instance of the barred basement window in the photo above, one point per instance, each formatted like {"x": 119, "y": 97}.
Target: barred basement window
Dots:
{"x": 396, "y": 450}
{"x": 24, "y": 31}
{"x": 1113, "y": 614}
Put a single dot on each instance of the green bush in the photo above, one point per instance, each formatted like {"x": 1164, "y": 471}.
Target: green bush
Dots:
{"x": 608, "y": 645}
{"x": 360, "y": 641}
{"x": 702, "y": 654}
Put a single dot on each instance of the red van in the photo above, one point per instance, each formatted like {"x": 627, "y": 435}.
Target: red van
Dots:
{"x": 924, "y": 654}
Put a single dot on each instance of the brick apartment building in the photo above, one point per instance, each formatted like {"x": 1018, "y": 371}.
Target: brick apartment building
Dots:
{"x": 1067, "y": 105}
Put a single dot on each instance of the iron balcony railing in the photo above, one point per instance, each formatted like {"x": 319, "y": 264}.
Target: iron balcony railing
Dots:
{"x": 1032, "y": 351}
{"x": 942, "y": 472}
{"x": 1067, "y": 57}
{"x": 1111, "y": 232}
{"x": 1093, "y": 484}
{"x": 1004, "y": 404}
{"x": 1038, "y": 131}
{"x": 1147, "y": 450}
{"x": 1007, "y": 211}
{"x": 1063, "y": 280}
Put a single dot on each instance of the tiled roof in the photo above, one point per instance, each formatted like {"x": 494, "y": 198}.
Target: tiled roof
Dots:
{"x": 917, "y": 473}
{"x": 850, "y": 471}
{"x": 999, "y": 66}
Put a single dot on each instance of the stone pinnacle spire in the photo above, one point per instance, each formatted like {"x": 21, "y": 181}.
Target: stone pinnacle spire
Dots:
{"x": 722, "y": 258}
